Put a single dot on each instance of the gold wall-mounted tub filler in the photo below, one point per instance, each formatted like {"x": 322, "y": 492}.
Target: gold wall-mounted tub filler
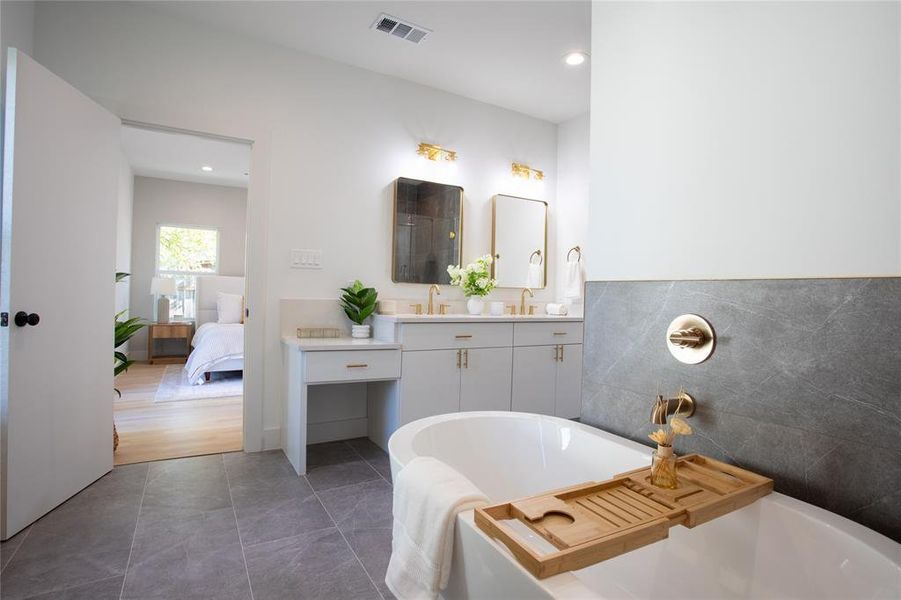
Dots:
{"x": 690, "y": 339}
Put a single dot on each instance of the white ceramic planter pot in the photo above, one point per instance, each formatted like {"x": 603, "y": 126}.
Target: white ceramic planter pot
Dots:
{"x": 475, "y": 305}
{"x": 360, "y": 331}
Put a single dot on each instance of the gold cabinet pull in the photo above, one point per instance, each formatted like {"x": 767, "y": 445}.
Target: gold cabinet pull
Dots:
{"x": 559, "y": 333}
{"x": 465, "y": 359}
{"x": 561, "y": 353}
{"x": 556, "y": 353}
{"x": 459, "y": 353}
{"x": 463, "y": 336}
{"x": 358, "y": 366}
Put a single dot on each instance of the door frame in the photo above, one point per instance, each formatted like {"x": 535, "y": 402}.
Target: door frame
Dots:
{"x": 255, "y": 279}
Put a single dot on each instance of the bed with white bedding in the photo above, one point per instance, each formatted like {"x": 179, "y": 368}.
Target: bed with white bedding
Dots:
{"x": 217, "y": 346}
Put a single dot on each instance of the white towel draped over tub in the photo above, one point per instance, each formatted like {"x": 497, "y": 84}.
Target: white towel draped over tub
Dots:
{"x": 428, "y": 496}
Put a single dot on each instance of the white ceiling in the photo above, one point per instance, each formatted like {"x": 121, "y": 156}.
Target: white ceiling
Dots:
{"x": 179, "y": 156}
{"x": 506, "y": 53}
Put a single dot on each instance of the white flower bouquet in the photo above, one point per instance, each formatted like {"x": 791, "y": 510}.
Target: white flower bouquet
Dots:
{"x": 475, "y": 278}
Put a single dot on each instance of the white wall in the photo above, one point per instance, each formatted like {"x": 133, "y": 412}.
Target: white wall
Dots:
{"x": 338, "y": 137}
{"x": 167, "y": 202}
{"x": 16, "y": 28}
{"x": 123, "y": 235}
{"x": 573, "y": 175}
{"x": 744, "y": 140}
{"x": 16, "y": 31}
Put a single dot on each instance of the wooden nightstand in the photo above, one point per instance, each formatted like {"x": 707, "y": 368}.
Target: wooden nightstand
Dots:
{"x": 165, "y": 331}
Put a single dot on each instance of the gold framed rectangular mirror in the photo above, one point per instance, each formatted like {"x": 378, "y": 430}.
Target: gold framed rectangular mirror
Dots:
{"x": 519, "y": 242}
{"x": 427, "y": 231}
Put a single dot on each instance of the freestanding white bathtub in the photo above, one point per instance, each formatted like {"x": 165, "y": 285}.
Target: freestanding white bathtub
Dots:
{"x": 777, "y": 547}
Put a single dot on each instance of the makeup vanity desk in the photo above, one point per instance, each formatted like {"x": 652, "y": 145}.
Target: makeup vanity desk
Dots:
{"x": 323, "y": 361}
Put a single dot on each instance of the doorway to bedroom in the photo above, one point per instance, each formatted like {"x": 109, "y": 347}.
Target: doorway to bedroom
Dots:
{"x": 181, "y": 241}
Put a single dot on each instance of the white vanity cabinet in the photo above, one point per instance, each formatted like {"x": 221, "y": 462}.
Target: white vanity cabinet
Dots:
{"x": 453, "y": 363}
{"x": 547, "y": 368}
{"x": 467, "y": 367}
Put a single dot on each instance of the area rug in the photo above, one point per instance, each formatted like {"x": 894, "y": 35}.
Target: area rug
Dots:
{"x": 175, "y": 387}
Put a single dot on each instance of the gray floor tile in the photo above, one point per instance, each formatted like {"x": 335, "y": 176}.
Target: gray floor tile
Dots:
{"x": 48, "y": 568}
{"x": 340, "y": 474}
{"x": 10, "y": 546}
{"x": 330, "y": 453}
{"x": 246, "y": 468}
{"x": 187, "y": 486}
{"x": 284, "y": 517}
{"x": 382, "y": 465}
{"x": 105, "y": 589}
{"x": 187, "y": 556}
{"x": 362, "y": 506}
{"x": 312, "y": 565}
{"x": 270, "y": 500}
{"x": 371, "y": 453}
{"x": 363, "y": 514}
{"x": 86, "y": 539}
{"x": 366, "y": 448}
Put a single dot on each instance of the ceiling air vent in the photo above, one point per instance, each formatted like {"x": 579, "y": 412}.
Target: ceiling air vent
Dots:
{"x": 400, "y": 28}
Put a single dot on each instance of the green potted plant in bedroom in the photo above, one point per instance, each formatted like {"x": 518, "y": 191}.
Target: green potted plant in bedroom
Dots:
{"x": 358, "y": 303}
{"x": 124, "y": 330}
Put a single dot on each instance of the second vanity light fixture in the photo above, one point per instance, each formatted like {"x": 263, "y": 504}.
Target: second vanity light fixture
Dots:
{"x": 433, "y": 152}
{"x": 527, "y": 172}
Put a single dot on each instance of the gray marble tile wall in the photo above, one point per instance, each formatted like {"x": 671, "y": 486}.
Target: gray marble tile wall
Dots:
{"x": 804, "y": 385}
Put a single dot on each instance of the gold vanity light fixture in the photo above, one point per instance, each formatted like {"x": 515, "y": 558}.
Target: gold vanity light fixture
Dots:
{"x": 433, "y": 152}
{"x": 527, "y": 172}
{"x": 690, "y": 339}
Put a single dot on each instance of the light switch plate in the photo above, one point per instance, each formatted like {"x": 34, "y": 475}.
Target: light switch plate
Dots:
{"x": 306, "y": 259}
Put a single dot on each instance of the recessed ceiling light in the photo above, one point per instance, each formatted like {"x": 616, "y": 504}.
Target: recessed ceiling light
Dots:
{"x": 575, "y": 59}
{"x": 206, "y": 169}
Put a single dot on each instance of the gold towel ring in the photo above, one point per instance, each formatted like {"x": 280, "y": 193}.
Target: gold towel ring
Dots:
{"x": 577, "y": 250}
{"x": 540, "y": 258}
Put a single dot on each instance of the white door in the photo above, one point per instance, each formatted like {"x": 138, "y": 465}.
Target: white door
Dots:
{"x": 486, "y": 379}
{"x": 569, "y": 382}
{"x": 60, "y": 159}
{"x": 534, "y": 379}
{"x": 430, "y": 384}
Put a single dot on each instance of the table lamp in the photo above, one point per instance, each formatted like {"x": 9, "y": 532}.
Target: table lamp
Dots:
{"x": 162, "y": 287}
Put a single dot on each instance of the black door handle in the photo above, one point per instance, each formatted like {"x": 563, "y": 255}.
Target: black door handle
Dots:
{"x": 22, "y": 319}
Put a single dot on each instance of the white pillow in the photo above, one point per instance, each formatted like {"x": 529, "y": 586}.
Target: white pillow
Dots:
{"x": 230, "y": 307}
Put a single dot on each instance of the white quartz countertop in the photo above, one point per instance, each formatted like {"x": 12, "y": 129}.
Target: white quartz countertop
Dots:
{"x": 460, "y": 318}
{"x": 342, "y": 343}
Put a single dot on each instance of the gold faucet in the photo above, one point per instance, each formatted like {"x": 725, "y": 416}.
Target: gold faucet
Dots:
{"x": 522, "y": 300}
{"x": 683, "y": 405}
{"x": 437, "y": 290}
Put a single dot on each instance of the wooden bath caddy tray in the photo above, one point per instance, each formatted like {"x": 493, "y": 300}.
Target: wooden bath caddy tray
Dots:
{"x": 592, "y": 522}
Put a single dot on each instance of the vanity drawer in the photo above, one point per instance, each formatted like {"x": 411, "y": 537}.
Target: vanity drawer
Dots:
{"x": 439, "y": 336}
{"x": 547, "y": 333}
{"x": 351, "y": 365}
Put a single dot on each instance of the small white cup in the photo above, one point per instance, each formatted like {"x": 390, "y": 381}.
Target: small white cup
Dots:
{"x": 496, "y": 309}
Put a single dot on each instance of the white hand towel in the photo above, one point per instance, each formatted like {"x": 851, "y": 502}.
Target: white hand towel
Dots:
{"x": 553, "y": 308}
{"x": 428, "y": 496}
{"x": 535, "y": 275}
{"x": 575, "y": 278}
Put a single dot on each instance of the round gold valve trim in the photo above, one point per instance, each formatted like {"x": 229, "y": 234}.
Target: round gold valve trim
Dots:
{"x": 690, "y": 339}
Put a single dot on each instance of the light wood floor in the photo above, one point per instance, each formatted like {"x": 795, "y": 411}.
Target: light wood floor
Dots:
{"x": 151, "y": 430}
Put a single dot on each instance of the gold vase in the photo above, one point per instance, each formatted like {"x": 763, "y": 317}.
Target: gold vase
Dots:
{"x": 663, "y": 468}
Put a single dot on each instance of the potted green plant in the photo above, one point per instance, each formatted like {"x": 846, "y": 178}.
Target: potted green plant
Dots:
{"x": 358, "y": 303}
{"x": 124, "y": 330}
{"x": 475, "y": 281}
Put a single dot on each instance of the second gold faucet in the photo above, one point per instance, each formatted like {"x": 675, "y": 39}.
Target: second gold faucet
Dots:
{"x": 431, "y": 308}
